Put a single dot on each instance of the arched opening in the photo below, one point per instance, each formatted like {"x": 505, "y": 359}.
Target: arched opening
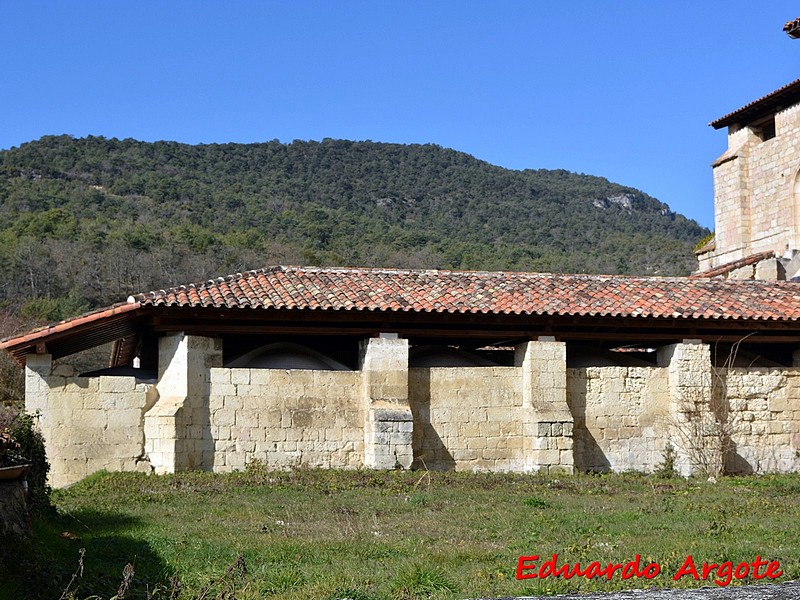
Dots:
{"x": 445, "y": 356}
{"x": 286, "y": 355}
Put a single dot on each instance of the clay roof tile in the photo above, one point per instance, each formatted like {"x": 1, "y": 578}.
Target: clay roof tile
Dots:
{"x": 480, "y": 292}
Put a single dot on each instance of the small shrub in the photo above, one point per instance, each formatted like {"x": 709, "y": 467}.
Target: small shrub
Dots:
{"x": 703, "y": 241}
{"x": 256, "y": 472}
{"x": 666, "y": 469}
{"x": 419, "y": 500}
{"x": 535, "y": 502}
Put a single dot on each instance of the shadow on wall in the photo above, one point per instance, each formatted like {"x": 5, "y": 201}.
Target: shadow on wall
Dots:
{"x": 735, "y": 463}
{"x": 588, "y": 455}
{"x": 429, "y": 450}
{"x": 433, "y": 455}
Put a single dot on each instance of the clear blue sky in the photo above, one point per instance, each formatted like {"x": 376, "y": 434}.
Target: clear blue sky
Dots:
{"x": 621, "y": 89}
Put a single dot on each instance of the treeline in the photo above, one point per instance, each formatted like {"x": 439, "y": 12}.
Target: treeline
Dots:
{"x": 86, "y": 222}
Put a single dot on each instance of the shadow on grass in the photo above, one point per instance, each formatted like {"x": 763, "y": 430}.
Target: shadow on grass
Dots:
{"x": 43, "y": 566}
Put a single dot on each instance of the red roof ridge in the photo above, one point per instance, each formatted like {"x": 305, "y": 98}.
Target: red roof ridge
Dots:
{"x": 411, "y": 271}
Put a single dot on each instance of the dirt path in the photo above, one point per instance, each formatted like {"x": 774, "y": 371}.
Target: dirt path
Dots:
{"x": 776, "y": 591}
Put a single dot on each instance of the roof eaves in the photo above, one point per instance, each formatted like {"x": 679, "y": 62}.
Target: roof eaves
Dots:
{"x": 774, "y": 101}
{"x": 64, "y": 326}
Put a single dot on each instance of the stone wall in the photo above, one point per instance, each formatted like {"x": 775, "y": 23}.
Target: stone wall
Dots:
{"x": 284, "y": 418}
{"x": 763, "y": 416}
{"x": 388, "y": 424}
{"x": 548, "y": 422}
{"x": 622, "y": 415}
{"x": 176, "y": 429}
{"x": 467, "y": 418}
{"x": 88, "y": 423}
{"x": 535, "y": 416}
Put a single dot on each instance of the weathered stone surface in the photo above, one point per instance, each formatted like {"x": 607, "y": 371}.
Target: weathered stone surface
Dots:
{"x": 467, "y": 418}
{"x": 543, "y": 363}
{"x": 384, "y": 373}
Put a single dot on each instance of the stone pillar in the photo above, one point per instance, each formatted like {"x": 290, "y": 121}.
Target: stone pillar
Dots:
{"x": 693, "y": 425}
{"x": 177, "y": 427}
{"x": 388, "y": 424}
{"x": 38, "y": 368}
{"x": 548, "y": 422}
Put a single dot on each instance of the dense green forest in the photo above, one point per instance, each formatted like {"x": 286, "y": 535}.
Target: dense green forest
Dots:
{"x": 86, "y": 222}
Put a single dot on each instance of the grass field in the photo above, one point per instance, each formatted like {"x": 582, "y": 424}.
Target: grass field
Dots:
{"x": 393, "y": 535}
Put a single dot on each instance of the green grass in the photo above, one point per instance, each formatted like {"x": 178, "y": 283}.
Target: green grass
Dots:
{"x": 393, "y": 535}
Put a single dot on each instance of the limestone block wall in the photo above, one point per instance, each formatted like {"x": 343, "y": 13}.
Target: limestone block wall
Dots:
{"x": 763, "y": 416}
{"x": 621, "y": 417}
{"x": 284, "y": 418}
{"x": 691, "y": 385}
{"x": 772, "y": 170}
{"x": 88, "y": 424}
{"x": 535, "y": 416}
{"x": 468, "y": 418}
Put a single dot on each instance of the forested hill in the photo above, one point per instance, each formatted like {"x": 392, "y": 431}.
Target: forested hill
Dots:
{"x": 88, "y": 221}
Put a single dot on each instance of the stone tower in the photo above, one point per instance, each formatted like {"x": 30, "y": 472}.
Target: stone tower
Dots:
{"x": 757, "y": 191}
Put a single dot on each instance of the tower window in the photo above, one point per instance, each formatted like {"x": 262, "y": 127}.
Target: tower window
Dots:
{"x": 764, "y": 128}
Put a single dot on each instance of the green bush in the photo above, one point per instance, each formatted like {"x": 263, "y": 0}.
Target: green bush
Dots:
{"x": 22, "y": 428}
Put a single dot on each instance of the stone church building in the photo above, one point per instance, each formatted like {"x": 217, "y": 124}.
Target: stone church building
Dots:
{"x": 381, "y": 368}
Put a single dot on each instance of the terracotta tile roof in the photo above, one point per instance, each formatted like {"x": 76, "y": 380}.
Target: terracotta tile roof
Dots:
{"x": 774, "y": 101}
{"x": 726, "y": 268}
{"x": 311, "y": 288}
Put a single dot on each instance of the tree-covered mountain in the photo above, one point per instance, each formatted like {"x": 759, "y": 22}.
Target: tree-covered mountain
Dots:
{"x": 88, "y": 221}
